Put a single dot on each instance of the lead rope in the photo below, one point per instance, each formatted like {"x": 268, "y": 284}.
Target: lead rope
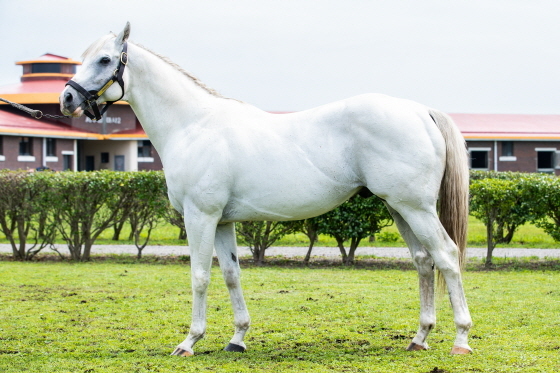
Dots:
{"x": 37, "y": 114}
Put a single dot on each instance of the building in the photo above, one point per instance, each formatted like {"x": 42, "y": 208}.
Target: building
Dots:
{"x": 526, "y": 143}
{"x": 512, "y": 142}
{"x": 117, "y": 142}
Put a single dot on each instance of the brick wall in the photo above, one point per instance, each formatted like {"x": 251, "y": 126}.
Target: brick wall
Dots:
{"x": 524, "y": 152}
{"x": 13, "y": 161}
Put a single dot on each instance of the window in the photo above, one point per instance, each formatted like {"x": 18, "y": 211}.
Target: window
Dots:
{"x": 507, "y": 148}
{"x": 119, "y": 162}
{"x": 104, "y": 157}
{"x": 45, "y": 68}
{"x": 51, "y": 147}
{"x": 507, "y": 152}
{"x": 479, "y": 159}
{"x": 90, "y": 163}
{"x": 144, "y": 148}
{"x": 67, "y": 162}
{"x": 546, "y": 160}
{"x": 26, "y": 146}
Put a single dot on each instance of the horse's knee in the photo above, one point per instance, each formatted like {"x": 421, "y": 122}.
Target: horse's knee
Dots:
{"x": 200, "y": 281}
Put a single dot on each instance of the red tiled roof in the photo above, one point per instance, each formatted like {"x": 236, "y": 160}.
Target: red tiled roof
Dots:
{"x": 19, "y": 125}
{"x": 54, "y": 57}
{"x": 508, "y": 126}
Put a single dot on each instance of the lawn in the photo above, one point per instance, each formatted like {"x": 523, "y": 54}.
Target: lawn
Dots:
{"x": 128, "y": 317}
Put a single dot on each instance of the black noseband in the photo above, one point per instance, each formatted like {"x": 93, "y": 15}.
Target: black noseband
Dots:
{"x": 92, "y": 96}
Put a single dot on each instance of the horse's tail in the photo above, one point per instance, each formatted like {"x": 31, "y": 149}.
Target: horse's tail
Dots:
{"x": 454, "y": 190}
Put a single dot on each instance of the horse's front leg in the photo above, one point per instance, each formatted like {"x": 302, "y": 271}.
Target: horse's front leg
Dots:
{"x": 201, "y": 230}
{"x": 226, "y": 249}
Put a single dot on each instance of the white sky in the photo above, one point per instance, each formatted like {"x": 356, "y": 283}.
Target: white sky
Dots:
{"x": 470, "y": 56}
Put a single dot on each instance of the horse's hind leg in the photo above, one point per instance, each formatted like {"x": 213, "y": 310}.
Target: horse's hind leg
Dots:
{"x": 428, "y": 230}
{"x": 226, "y": 249}
{"x": 425, "y": 267}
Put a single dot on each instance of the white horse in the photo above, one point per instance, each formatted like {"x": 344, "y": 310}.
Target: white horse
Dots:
{"x": 226, "y": 161}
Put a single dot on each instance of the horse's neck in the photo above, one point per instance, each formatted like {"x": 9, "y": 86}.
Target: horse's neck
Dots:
{"x": 164, "y": 99}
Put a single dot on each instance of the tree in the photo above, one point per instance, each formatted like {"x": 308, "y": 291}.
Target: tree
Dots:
{"x": 24, "y": 212}
{"x": 173, "y": 217}
{"x": 502, "y": 205}
{"x": 355, "y": 219}
{"x": 148, "y": 205}
{"x": 85, "y": 204}
{"x": 308, "y": 227}
{"x": 260, "y": 235}
{"x": 544, "y": 193}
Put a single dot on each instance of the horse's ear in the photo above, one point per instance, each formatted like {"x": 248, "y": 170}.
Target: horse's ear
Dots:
{"x": 123, "y": 35}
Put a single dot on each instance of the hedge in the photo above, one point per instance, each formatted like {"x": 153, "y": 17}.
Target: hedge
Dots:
{"x": 38, "y": 207}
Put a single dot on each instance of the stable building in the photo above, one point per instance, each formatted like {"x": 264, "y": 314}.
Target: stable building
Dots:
{"x": 117, "y": 142}
{"x": 496, "y": 142}
{"x": 512, "y": 142}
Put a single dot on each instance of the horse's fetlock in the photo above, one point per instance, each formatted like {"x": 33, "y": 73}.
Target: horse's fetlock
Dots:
{"x": 196, "y": 334}
{"x": 243, "y": 325}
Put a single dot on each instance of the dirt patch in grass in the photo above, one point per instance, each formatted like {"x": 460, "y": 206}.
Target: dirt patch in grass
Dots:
{"x": 365, "y": 263}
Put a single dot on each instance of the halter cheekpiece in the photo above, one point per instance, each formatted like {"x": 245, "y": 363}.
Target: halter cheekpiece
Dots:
{"x": 92, "y": 96}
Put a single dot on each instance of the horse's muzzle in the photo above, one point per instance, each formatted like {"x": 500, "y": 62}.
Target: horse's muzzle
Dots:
{"x": 70, "y": 102}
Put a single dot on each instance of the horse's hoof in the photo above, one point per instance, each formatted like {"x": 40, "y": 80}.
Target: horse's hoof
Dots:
{"x": 415, "y": 347}
{"x": 234, "y": 348}
{"x": 456, "y": 350}
{"x": 180, "y": 352}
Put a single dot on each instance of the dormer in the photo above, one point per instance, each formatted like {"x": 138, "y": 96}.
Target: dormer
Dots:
{"x": 48, "y": 67}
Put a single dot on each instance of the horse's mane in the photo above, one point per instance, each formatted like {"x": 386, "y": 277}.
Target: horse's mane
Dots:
{"x": 96, "y": 46}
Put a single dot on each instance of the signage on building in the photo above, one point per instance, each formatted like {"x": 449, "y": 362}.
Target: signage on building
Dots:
{"x": 108, "y": 120}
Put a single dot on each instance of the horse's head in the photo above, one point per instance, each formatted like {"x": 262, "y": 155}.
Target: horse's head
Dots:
{"x": 103, "y": 64}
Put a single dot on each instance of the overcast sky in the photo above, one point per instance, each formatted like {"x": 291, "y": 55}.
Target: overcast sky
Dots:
{"x": 468, "y": 56}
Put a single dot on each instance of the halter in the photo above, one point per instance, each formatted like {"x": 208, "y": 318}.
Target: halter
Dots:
{"x": 92, "y": 96}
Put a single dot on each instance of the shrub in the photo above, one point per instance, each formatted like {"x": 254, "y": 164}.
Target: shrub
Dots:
{"x": 503, "y": 205}
{"x": 545, "y": 198}
{"x": 85, "y": 204}
{"x": 23, "y": 212}
{"x": 260, "y": 235}
{"x": 354, "y": 220}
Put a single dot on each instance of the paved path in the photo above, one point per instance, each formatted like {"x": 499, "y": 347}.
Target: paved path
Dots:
{"x": 386, "y": 252}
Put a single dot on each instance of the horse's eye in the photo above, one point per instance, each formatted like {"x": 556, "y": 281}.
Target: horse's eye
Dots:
{"x": 104, "y": 60}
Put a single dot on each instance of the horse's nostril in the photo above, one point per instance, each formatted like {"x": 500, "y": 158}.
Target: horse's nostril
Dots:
{"x": 68, "y": 97}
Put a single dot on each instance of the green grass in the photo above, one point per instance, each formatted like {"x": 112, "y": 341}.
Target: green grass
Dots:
{"x": 128, "y": 317}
